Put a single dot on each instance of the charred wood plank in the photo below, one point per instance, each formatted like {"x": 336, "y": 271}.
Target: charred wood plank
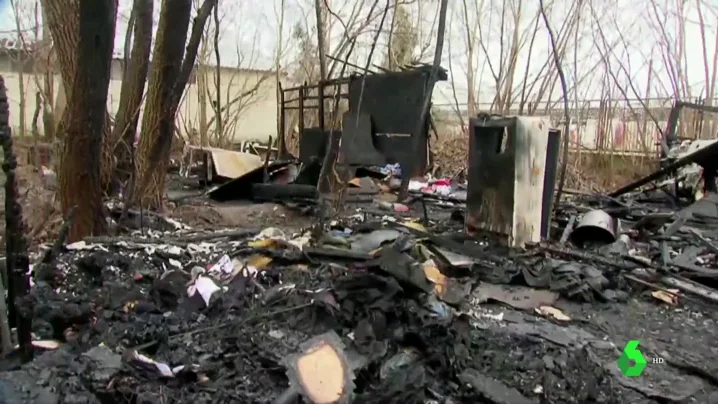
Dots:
{"x": 18, "y": 262}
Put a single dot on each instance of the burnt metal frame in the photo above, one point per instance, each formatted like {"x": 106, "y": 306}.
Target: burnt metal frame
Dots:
{"x": 300, "y": 98}
{"x": 670, "y": 137}
{"x": 295, "y": 98}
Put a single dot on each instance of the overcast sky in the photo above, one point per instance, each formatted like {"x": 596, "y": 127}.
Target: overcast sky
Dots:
{"x": 250, "y": 38}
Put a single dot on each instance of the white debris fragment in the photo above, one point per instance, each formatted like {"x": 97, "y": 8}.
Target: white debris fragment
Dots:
{"x": 492, "y": 316}
{"x": 302, "y": 241}
{"x": 205, "y": 286}
{"x": 276, "y": 334}
{"x": 357, "y": 217}
{"x": 196, "y": 271}
{"x": 224, "y": 265}
{"x": 82, "y": 246}
{"x": 178, "y": 369}
{"x": 47, "y": 344}
{"x": 177, "y": 225}
{"x": 174, "y": 250}
{"x": 200, "y": 249}
{"x": 164, "y": 369}
{"x": 271, "y": 233}
{"x": 154, "y": 234}
{"x": 249, "y": 271}
{"x": 30, "y": 272}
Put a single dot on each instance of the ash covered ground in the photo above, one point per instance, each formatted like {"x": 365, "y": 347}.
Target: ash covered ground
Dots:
{"x": 180, "y": 315}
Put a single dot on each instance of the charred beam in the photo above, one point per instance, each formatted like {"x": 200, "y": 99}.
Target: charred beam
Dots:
{"x": 16, "y": 244}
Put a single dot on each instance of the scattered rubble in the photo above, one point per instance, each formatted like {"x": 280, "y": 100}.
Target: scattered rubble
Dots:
{"x": 439, "y": 298}
{"x": 415, "y": 315}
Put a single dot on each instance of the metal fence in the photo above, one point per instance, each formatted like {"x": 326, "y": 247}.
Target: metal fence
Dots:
{"x": 629, "y": 127}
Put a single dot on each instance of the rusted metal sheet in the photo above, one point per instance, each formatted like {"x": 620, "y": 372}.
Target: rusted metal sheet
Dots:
{"x": 507, "y": 161}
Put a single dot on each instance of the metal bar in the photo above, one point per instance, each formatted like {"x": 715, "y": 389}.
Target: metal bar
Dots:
{"x": 700, "y": 157}
{"x": 328, "y": 83}
{"x": 321, "y": 100}
{"x": 302, "y": 93}
{"x": 286, "y": 90}
{"x": 306, "y": 106}
{"x": 350, "y": 64}
{"x": 282, "y": 129}
{"x": 300, "y": 108}
{"x": 308, "y": 97}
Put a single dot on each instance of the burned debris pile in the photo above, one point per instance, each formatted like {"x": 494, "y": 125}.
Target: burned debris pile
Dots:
{"x": 475, "y": 288}
{"x": 384, "y": 309}
{"x": 228, "y": 319}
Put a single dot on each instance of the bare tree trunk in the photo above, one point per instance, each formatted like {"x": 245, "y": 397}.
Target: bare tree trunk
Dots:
{"x": 332, "y": 146}
{"x": 390, "y": 62}
{"x": 133, "y": 87}
{"x": 190, "y": 56}
{"x": 281, "y": 141}
{"x": 470, "y": 71}
{"x": 322, "y": 37}
{"x": 17, "y": 263}
{"x": 219, "y": 122}
{"x": 321, "y": 47}
{"x": 63, "y": 21}
{"x": 80, "y": 183}
{"x": 36, "y": 115}
{"x": 61, "y": 18}
{"x": 158, "y": 119}
{"x": 424, "y": 117}
{"x": 202, "y": 89}
{"x": 22, "y": 60}
{"x": 23, "y": 99}
{"x": 60, "y": 102}
{"x": 48, "y": 96}
{"x": 202, "y": 104}
{"x": 168, "y": 79}
{"x": 564, "y": 89}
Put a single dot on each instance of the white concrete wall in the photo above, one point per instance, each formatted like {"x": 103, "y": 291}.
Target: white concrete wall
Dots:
{"x": 616, "y": 134}
{"x": 253, "y": 119}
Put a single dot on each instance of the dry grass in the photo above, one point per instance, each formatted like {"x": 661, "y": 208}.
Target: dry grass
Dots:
{"x": 606, "y": 172}
{"x": 292, "y": 140}
{"x": 449, "y": 153}
{"x": 41, "y": 210}
{"x": 588, "y": 171}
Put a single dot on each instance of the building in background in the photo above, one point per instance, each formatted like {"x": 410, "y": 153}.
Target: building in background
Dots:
{"x": 248, "y": 96}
